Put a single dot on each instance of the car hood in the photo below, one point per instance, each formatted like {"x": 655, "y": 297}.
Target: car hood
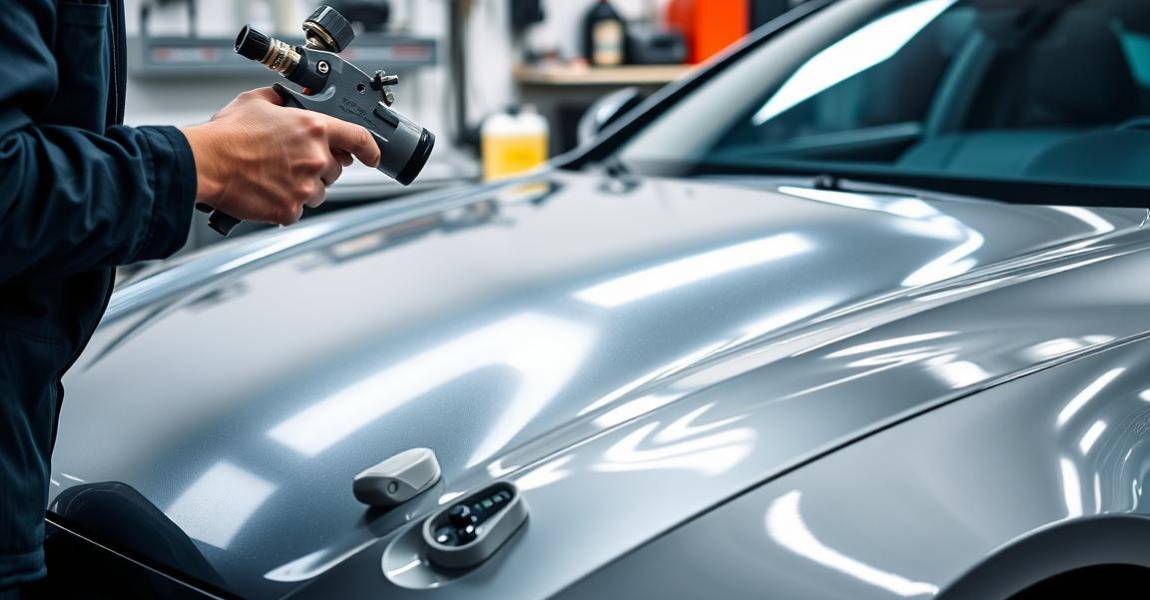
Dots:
{"x": 594, "y": 338}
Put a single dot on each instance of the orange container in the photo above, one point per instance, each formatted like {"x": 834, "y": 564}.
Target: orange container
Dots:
{"x": 709, "y": 25}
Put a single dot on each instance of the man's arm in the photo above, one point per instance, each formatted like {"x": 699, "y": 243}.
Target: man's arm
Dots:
{"x": 73, "y": 200}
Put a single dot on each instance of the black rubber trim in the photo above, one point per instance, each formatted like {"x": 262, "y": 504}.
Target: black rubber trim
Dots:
{"x": 206, "y": 589}
{"x": 418, "y": 159}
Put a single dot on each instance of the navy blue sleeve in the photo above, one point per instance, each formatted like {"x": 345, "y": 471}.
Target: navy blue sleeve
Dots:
{"x": 73, "y": 200}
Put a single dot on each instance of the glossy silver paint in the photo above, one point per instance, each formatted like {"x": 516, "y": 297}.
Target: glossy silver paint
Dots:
{"x": 630, "y": 352}
{"x": 911, "y": 510}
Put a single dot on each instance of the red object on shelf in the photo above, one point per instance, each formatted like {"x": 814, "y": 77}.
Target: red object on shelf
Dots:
{"x": 709, "y": 26}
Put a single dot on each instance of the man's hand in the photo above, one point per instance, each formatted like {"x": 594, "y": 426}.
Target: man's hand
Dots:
{"x": 259, "y": 161}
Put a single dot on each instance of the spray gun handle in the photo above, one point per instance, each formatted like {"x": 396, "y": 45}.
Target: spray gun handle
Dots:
{"x": 221, "y": 222}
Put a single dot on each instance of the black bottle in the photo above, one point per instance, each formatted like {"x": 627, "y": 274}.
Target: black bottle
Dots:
{"x": 604, "y": 35}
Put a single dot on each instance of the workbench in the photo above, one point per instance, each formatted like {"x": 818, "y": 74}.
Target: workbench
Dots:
{"x": 562, "y": 93}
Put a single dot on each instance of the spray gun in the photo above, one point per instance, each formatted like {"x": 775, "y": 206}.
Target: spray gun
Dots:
{"x": 332, "y": 86}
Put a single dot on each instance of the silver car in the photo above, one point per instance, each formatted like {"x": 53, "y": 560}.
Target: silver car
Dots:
{"x": 858, "y": 311}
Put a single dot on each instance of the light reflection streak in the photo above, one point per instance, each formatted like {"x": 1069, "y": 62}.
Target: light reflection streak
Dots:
{"x": 680, "y": 363}
{"x": 546, "y": 474}
{"x": 633, "y": 409}
{"x": 1071, "y": 487}
{"x": 890, "y": 343}
{"x": 951, "y": 264}
{"x": 783, "y": 318}
{"x": 785, "y": 525}
{"x": 961, "y": 290}
{"x": 880, "y": 362}
{"x": 449, "y": 497}
{"x": 1091, "y": 218}
{"x": 216, "y": 506}
{"x": 1087, "y": 394}
{"x": 939, "y": 227}
{"x": 682, "y": 428}
{"x": 1091, "y": 436}
{"x": 907, "y": 207}
{"x": 711, "y": 454}
{"x": 957, "y": 374}
{"x": 405, "y": 568}
{"x": 543, "y": 350}
{"x": 1063, "y": 346}
{"x": 678, "y": 273}
{"x": 547, "y": 353}
{"x": 284, "y": 240}
{"x": 870, "y": 45}
{"x": 639, "y": 406}
{"x": 922, "y": 220}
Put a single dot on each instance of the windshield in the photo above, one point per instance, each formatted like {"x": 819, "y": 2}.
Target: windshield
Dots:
{"x": 1050, "y": 91}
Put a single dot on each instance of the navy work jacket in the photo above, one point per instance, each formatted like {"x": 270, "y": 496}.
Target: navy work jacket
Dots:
{"x": 79, "y": 195}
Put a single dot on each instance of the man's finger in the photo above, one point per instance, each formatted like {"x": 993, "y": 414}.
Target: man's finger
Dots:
{"x": 353, "y": 139}
{"x": 266, "y": 94}
{"x": 317, "y": 199}
{"x": 332, "y": 173}
{"x": 344, "y": 158}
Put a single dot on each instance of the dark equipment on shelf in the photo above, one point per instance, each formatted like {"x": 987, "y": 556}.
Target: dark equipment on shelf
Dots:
{"x": 372, "y": 15}
{"x": 525, "y": 13}
{"x": 648, "y": 44}
{"x": 335, "y": 87}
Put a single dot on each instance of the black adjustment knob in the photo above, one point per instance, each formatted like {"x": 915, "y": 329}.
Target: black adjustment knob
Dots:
{"x": 328, "y": 28}
{"x": 460, "y": 516}
{"x": 446, "y": 536}
{"x": 252, "y": 44}
{"x": 466, "y": 535}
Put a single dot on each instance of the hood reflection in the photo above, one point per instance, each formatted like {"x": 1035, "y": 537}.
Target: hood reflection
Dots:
{"x": 1071, "y": 487}
{"x": 543, "y": 351}
{"x": 679, "y": 273}
{"x": 215, "y": 507}
{"x": 708, "y": 448}
{"x": 1087, "y": 394}
{"x": 920, "y": 218}
{"x": 785, "y": 525}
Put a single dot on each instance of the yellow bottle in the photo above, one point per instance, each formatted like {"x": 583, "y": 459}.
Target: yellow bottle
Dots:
{"x": 513, "y": 144}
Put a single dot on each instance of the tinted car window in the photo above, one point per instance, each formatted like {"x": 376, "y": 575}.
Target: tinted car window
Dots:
{"x": 1036, "y": 90}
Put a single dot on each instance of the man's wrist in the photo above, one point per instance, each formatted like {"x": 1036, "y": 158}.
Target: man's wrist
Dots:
{"x": 209, "y": 186}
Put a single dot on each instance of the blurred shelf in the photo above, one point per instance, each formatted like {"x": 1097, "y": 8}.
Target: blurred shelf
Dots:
{"x": 568, "y": 75}
{"x": 173, "y": 57}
